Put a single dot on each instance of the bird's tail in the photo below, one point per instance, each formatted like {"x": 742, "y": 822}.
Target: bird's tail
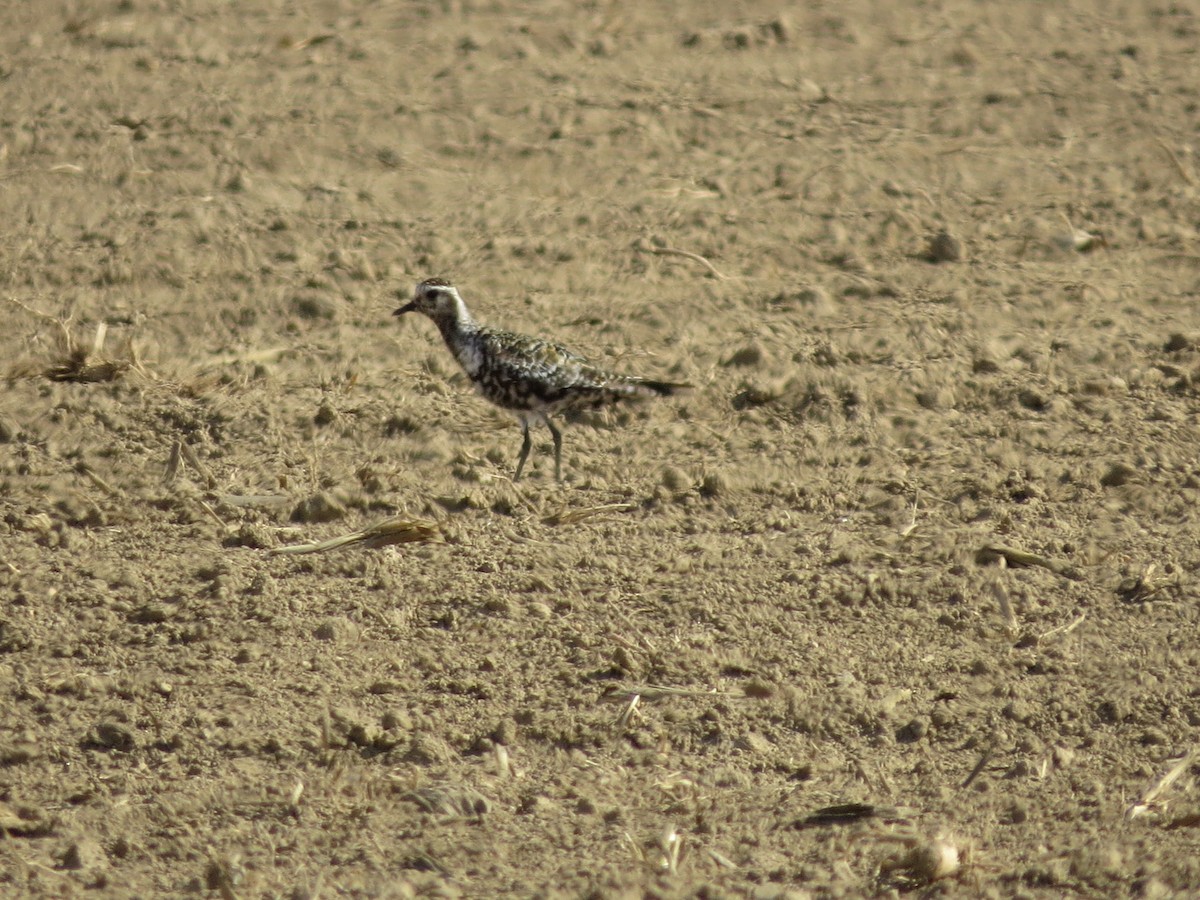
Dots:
{"x": 661, "y": 388}
{"x": 629, "y": 387}
{"x": 601, "y": 388}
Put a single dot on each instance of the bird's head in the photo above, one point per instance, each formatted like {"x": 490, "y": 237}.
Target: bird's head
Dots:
{"x": 436, "y": 298}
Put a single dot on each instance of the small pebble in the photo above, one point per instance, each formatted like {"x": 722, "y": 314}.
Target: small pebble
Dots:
{"x": 337, "y": 629}
{"x": 675, "y": 479}
{"x": 943, "y": 247}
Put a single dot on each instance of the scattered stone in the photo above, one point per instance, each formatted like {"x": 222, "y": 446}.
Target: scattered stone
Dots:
{"x": 396, "y": 425}
{"x": 757, "y": 689}
{"x": 770, "y": 892}
{"x": 753, "y": 742}
{"x": 1155, "y": 737}
{"x": 539, "y": 610}
{"x": 1118, "y": 474}
{"x": 1063, "y": 757}
{"x": 385, "y": 686}
{"x": 428, "y": 750}
{"x": 1019, "y": 711}
{"x": 149, "y": 614}
{"x": 396, "y": 720}
{"x": 225, "y": 875}
{"x": 84, "y": 854}
{"x": 325, "y": 414}
{"x": 714, "y": 484}
{"x": 17, "y": 753}
{"x": 450, "y": 800}
{"x": 1016, "y": 814}
{"x": 913, "y": 731}
{"x": 1114, "y": 710}
{"x": 754, "y": 395}
{"x": 21, "y": 820}
{"x": 337, "y": 629}
{"x": 935, "y": 398}
{"x": 739, "y": 38}
{"x": 317, "y": 509}
{"x": 248, "y": 654}
{"x": 1033, "y": 399}
{"x": 781, "y": 29}
{"x": 255, "y": 537}
{"x": 366, "y": 734}
{"x": 537, "y": 804}
{"x": 1179, "y": 342}
{"x": 111, "y": 736}
{"x": 314, "y": 306}
{"x": 810, "y": 92}
{"x": 261, "y": 585}
{"x": 603, "y": 46}
{"x": 943, "y": 247}
{"x": 749, "y": 355}
{"x": 676, "y": 480}
{"x": 1151, "y": 888}
{"x": 1097, "y": 865}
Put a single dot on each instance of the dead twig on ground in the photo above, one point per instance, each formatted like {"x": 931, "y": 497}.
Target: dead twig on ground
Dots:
{"x": 571, "y": 516}
{"x": 1149, "y": 801}
{"x": 633, "y": 695}
{"x": 1000, "y": 593}
{"x": 645, "y": 246}
{"x": 1062, "y": 630}
{"x": 852, "y": 813}
{"x": 912, "y": 521}
{"x": 382, "y": 534}
{"x": 1014, "y": 557}
{"x": 86, "y": 471}
{"x": 1179, "y": 166}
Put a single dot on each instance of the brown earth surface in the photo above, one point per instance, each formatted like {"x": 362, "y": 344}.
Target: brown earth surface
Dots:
{"x": 923, "y": 538}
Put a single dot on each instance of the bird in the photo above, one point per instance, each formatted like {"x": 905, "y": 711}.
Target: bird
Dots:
{"x": 529, "y": 376}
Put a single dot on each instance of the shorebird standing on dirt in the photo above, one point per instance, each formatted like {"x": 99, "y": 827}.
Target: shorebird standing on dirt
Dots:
{"x": 531, "y": 377}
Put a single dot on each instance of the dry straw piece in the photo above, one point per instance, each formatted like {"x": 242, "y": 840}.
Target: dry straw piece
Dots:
{"x": 653, "y": 247}
{"x": 571, "y": 516}
{"x": 382, "y": 534}
{"x": 1014, "y": 557}
{"x": 73, "y": 360}
{"x": 1149, "y": 801}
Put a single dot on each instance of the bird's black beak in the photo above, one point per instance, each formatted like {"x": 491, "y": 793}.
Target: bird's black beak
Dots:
{"x": 405, "y": 309}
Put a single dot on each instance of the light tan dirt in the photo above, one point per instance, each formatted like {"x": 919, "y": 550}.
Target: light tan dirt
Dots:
{"x": 796, "y": 569}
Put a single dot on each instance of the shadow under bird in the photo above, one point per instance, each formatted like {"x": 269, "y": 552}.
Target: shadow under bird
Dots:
{"x": 530, "y": 377}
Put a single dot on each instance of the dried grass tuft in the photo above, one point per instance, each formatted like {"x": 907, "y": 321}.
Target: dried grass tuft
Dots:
{"x": 74, "y": 361}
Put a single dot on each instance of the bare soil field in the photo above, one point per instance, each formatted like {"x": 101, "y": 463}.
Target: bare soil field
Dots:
{"x": 900, "y": 598}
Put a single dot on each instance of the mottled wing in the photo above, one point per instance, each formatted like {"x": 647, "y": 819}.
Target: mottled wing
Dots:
{"x": 540, "y": 359}
{"x": 523, "y": 372}
{"x": 520, "y": 371}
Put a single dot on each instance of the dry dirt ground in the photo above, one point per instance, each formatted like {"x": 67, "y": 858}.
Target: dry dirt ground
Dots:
{"x": 921, "y": 544}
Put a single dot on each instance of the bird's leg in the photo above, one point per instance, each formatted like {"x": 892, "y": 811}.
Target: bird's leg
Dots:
{"x": 557, "y": 435}
{"x": 524, "y": 454}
